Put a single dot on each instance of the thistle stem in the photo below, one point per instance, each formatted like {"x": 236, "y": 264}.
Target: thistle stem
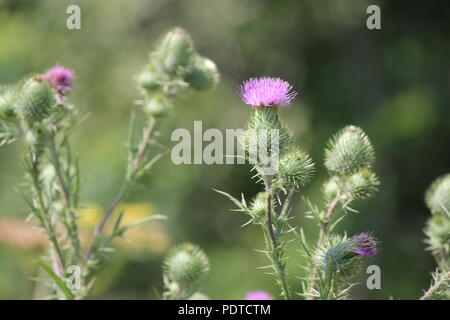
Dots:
{"x": 133, "y": 167}
{"x": 72, "y": 226}
{"x": 322, "y": 235}
{"x": 437, "y": 286}
{"x": 51, "y": 232}
{"x": 273, "y": 246}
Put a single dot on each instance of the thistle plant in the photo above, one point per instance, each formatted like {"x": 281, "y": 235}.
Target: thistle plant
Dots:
{"x": 437, "y": 233}
{"x": 37, "y": 111}
{"x": 334, "y": 259}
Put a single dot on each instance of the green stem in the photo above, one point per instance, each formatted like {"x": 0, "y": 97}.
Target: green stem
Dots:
{"x": 48, "y": 226}
{"x": 72, "y": 228}
{"x": 439, "y": 285}
{"x": 273, "y": 245}
{"x": 133, "y": 167}
{"x": 322, "y": 236}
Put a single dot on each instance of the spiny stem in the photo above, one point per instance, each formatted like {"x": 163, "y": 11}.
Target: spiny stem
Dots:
{"x": 273, "y": 246}
{"x": 322, "y": 235}
{"x": 437, "y": 286}
{"x": 42, "y": 208}
{"x": 132, "y": 169}
{"x": 140, "y": 155}
{"x": 73, "y": 229}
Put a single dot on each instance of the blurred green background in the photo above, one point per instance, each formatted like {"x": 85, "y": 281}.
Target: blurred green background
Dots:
{"x": 392, "y": 82}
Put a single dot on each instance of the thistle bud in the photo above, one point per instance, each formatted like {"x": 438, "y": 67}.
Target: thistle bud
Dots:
{"x": 362, "y": 184}
{"x": 349, "y": 151}
{"x": 35, "y": 101}
{"x": 149, "y": 80}
{"x": 337, "y": 255}
{"x": 437, "y": 197}
{"x": 187, "y": 265}
{"x": 438, "y": 234}
{"x": 157, "y": 106}
{"x": 8, "y": 98}
{"x": 258, "y": 207}
{"x": 203, "y": 74}
{"x": 176, "y": 50}
{"x": 296, "y": 168}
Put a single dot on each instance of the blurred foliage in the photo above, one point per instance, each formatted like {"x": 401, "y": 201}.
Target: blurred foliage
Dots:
{"x": 393, "y": 82}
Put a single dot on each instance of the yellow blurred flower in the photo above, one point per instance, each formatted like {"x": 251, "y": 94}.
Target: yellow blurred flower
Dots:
{"x": 148, "y": 236}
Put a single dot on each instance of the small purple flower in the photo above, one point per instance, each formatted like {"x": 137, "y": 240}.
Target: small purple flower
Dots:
{"x": 266, "y": 92}
{"x": 258, "y": 295}
{"x": 365, "y": 244}
{"x": 60, "y": 79}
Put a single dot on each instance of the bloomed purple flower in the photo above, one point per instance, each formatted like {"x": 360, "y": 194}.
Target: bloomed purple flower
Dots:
{"x": 365, "y": 244}
{"x": 258, "y": 295}
{"x": 266, "y": 92}
{"x": 60, "y": 79}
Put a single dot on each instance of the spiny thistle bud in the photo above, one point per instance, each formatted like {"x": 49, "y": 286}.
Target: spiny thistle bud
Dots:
{"x": 359, "y": 185}
{"x": 187, "y": 265}
{"x": 35, "y": 101}
{"x": 157, "y": 106}
{"x": 176, "y": 50}
{"x": 258, "y": 207}
{"x": 438, "y": 234}
{"x": 362, "y": 184}
{"x": 349, "y": 151}
{"x": 337, "y": 255}
{"x": 203, "y": 74}
{"x": 296, "y": 168}
{"x": 343, "y": 256}
{"x": 437, "y": 197}
{"x": 8, "y": 97}
{"x": 149, "y": 79}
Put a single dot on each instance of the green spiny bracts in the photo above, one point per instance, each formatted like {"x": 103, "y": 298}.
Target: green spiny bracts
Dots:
{"x": 336, "y": 256}
{"x": 149, "y": 79}
{"x": 202, "y": 74}
{"x": 438, "y": 235}
{"x": 437, "y": 197}
{"x": 157, "y": 105}
{"x": 35, "y": 101}
{"x": 296, "y": 168}
{"x": 360, "y": 185}
{"x": 349, "y": 151}
{"x": 8, "y": 99}
{"x": 258, "y": 207}
{"x": 264, "y": 129}
{"x": 175, "y": 51}
{"x": 187, "y": 265}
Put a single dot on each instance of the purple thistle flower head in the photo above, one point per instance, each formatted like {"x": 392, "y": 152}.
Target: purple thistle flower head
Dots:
{"x": 60, "y": 79}
{"x": 365, "y": 244}
{"x": 266, "y": 92}
{"x": 258, "y": 295}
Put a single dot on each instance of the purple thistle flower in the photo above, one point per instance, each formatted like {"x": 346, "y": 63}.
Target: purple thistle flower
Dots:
{"x": 266, "y": 92}
{"x": 365, "y": 244}
{"x": 258, "y": 295}
{"x": 60, "y": 79}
